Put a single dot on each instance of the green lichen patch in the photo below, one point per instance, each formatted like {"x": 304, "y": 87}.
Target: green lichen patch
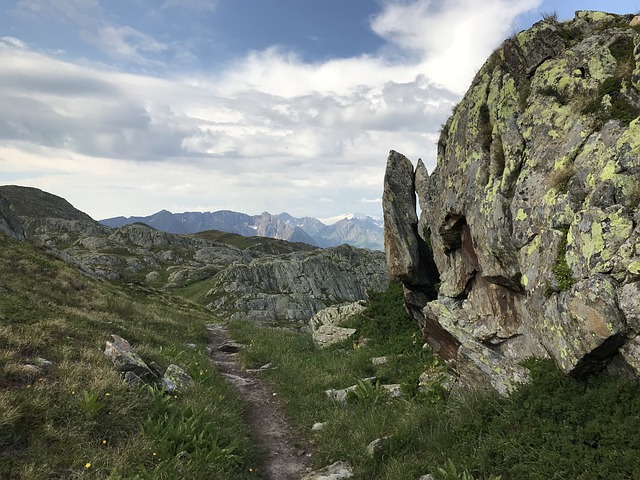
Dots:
{"x": 615, "y": 98}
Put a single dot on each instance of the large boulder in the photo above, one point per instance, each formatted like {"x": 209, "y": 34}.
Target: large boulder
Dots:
{"x": 531, "y": 214}
{"x": 325, "y": 325}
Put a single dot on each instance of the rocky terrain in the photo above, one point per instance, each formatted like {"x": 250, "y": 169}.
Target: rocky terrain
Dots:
{"x": 528, "y": 244}
{"x": 357, "y": 231}
{"x": 259, "y": 279}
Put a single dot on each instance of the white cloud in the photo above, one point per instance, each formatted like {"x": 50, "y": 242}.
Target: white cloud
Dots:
{"x": 14, "y": 42}
{"x": 449, "y": 37}
{"x": 125, "y": 42}
{"x": 202, "y": 5}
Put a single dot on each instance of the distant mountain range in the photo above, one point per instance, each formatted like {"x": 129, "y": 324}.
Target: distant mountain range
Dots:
{"x": 356, "y": 230}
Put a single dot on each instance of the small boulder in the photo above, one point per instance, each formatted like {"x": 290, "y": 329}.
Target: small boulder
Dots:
{"x": 377, "y": 361}
{"x": 126, "y": 360}
{"x": 318, "y": 426}
{"x": 336, "y": 471}
{"x": 393, "y": 390}
{"x": 175, "y": 378}
{"x": 375, "y": 449}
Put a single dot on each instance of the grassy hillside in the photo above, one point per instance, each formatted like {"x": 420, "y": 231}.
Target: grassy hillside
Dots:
{"x": 553, "y": 428}
{"x": 75, "y": 418}
{"x": 260, "y": 244}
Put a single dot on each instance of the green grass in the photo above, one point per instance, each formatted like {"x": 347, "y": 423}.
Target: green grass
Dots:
{"x": 75, "y": 418}
{"x": 554, "y": 428}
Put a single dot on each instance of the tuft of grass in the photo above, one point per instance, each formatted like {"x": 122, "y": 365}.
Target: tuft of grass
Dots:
{"x": 561, "y": 176}
{"x": 561, "y": 268}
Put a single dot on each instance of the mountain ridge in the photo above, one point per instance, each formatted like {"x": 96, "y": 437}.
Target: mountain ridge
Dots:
{"x": 351, "y": 229}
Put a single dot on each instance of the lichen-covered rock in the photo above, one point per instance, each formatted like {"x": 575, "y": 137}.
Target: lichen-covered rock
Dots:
{"x": 175, "y": 379}
{"x": 336, "y": 314}
{"x": 531, "y": 214}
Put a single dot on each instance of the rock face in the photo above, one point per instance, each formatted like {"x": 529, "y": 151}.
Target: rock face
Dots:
{"x": 296, "y": 286}
{"x": 531, "y": 214}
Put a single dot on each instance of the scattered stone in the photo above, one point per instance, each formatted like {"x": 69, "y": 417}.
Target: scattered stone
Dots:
{"x": 152, "y": 277}
{"x": 635, "y": 21}
{"x": 175, "y": 378}
{"x": 43, "y": 362}
{"x": 157, "y": 369}
{"x": 238, "y": 380}
{"x": 377, "y": 361}
{"x": 393, "y": 390}
{"x": 132, "y": 380}
{"x": 266, "y": 366}
{"x": 231, "y": 347}
{"x": 190, "y": 346}
{"x": 318, "y": 426}
{"x": 327, "y": 335}
{"x": 427, "y": 477}
{"x": 340, "y": 395}
{"x": 375, "y": 449}
{"x": 336, "y": 471}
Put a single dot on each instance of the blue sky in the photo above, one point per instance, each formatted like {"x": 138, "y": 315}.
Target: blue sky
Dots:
{"x": 129, "y": 107}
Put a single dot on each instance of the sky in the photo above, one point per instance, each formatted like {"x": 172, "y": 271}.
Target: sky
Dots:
{"x": 128, "y": 107}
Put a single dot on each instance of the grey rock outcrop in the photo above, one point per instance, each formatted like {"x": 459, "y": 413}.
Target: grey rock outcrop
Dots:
{"x": 9, "y": 222}
{"x": 258, "y": 279}
{"x": 294, "y": 287}
{"x": 531, "y": 215}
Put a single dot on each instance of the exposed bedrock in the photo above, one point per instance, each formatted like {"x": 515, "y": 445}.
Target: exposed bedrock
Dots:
{"x": 531, "y": 216}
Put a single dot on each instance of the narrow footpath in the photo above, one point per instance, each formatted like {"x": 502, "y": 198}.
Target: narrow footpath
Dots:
{"x": 284, "y": 456}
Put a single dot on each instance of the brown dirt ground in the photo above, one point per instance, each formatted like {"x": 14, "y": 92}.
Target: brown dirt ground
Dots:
{"x": 285, "y": 456}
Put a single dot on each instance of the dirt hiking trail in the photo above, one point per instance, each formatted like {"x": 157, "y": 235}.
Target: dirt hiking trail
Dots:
{"x": 284, "y": 455}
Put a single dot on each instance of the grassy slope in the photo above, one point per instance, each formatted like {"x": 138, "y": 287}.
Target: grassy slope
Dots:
{"x": 76, "y": 419}
{"x": 554, "y": 428}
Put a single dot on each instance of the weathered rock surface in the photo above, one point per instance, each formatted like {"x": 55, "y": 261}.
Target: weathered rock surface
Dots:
{"x": 258, "y": 279}
{"x": 531, "y": 214}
